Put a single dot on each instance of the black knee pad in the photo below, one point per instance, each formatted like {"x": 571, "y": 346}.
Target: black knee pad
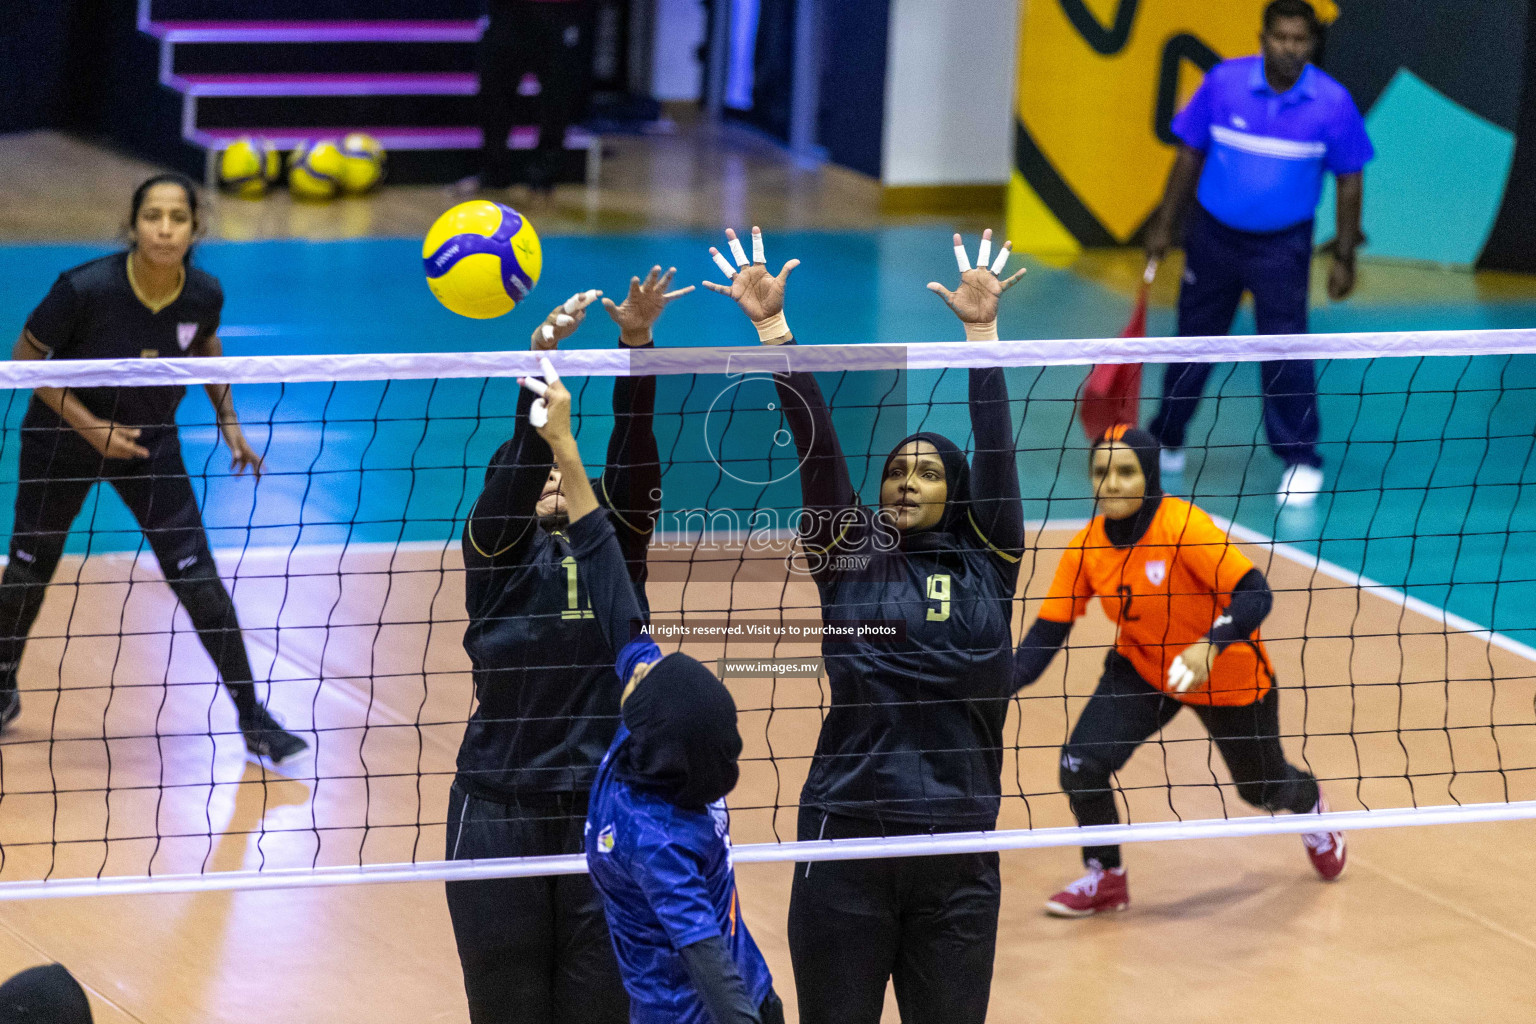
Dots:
{"x": 1083, "y": 775}
{"x": 22, "y": 589}
{"x": 203, "y": 593}
{"x": 1297, "y": 792}
{"x": 19, "y": 573}
{"x": 1260, "y": 794}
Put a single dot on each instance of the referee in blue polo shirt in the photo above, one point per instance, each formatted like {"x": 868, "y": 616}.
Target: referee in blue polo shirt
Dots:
{"x": 1256, "y": 139}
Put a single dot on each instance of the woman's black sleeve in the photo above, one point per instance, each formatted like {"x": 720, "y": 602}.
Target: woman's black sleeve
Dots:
{"x": 995, "y": 502}
{"x": 615, "y": 605}
{"x": 501, "y": 524}
{"x": 718, "y": 982}
{"x": 1250, "y": 605}
{"x": 1036, "y": 650}
{"x": 631, "y": 482}
{"x": 826, "y": 490}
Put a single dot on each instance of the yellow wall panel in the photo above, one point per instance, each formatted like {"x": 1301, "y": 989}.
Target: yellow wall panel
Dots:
{"x": 1088, "y": 99}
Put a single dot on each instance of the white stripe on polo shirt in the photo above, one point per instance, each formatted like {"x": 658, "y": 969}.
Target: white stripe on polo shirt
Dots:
{"x": 1268, "y": 145}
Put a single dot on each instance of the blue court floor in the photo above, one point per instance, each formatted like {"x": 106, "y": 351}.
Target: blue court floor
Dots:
{"x": 1427, "y": 460}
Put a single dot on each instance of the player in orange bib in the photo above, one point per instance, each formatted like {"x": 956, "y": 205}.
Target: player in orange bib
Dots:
{"x": 1187, "y": 605}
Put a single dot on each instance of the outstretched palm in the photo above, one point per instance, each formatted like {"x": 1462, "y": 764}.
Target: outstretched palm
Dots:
{"x": 642, "y": 307}
{"x": 759, "y": 293}
{"x": 975, "y": 300}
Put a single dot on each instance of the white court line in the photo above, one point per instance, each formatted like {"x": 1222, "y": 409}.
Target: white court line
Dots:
{"x": 1367, "y": 585}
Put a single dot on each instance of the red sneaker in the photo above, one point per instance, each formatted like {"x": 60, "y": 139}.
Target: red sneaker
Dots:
{"x": 1097, "y": 892}
{"x": 1325, "y": 849}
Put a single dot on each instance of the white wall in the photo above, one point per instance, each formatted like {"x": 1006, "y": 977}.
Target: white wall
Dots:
{"x": 949, "y": 85}
{"x": 676, "y": 72}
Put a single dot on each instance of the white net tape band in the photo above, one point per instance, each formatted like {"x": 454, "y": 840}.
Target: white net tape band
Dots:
{"x": 744, "y": 359}
{"x": 764, "y": 853}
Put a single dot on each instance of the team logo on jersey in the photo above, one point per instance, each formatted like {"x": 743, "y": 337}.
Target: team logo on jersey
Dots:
{"x": 1157, "y": 572}
{"x": 185, "y": 335}
{"x": 605, "y": 840}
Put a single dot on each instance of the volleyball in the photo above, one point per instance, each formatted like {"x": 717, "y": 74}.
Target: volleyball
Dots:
{"x": 362, "y": 162}
{"x": 248, "y": 165}
{"x": 482, "y": 259}
{"x": 315, "y": 170}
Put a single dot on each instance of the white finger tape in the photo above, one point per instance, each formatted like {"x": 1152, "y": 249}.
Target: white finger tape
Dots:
{"x": 757, "y": 247}
{"x": 535, "y": 385}
{"x": 549, "y": 370}
{"x": 573, "y": 303}
{"x": 723, "y": 264}
{"x": 984, "y": 254}
{"x": 738, "y": 253}
{"x": 962, "y": 259}
{"x": 538, "y": 416}
{"x": 1002, "y": 259}
{"x": 561, "y": 320}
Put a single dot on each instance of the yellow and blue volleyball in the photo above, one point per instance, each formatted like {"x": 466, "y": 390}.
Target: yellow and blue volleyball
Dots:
{"x": 482, "y": 259}
{"x": 248, "y": 165}
{"x": 315, "y": 170}
{"x": 362, "y": 162}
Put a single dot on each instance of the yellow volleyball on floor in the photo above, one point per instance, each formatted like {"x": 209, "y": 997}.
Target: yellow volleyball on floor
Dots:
{"x": 482, "y": 259}
{"x": 315, "y": 170}
{"x": 248, "y": 165}
{"x": 362, "y": 162}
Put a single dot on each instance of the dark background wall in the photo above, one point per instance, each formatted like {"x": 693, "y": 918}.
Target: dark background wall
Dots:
{"x": 319, "y": 10}
{"x": 853, "y": 82}
{"x": 50, "y": 53}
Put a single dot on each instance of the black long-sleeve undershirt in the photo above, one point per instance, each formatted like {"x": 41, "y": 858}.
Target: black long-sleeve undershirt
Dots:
{"x": 1246, "y": 612}
{"x": 718, "y": 982}
{"x": 1250, "y": 603}
{"x": 615, "y": 604}
{"x": 996, "y": 506}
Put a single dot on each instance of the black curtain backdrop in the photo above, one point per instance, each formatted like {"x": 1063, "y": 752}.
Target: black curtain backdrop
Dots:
{"x": 1512, "y": 243}
{"x": 773, "y": 68}
{"x": 853, "y": 82}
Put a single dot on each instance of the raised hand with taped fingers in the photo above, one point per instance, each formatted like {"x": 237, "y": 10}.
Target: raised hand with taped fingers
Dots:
{"x": 759, "y": 293}
{"x": 975, "y": 300}
{"x": 563, "y": 321}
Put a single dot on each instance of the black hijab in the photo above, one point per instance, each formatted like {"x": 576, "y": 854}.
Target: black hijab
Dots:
{"x": 44, "y": 995}
{"x": 683, "y": 742}
{"x": 957, "y": 503}
{"x": 1123, "y": 533}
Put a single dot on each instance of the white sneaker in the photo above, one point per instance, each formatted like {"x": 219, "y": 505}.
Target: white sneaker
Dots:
{"x": 1299, "y": 486}
{"x": 1171, "y": 460}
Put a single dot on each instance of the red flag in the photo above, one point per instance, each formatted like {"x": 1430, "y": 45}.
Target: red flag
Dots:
{"x": 1112, "y": 392}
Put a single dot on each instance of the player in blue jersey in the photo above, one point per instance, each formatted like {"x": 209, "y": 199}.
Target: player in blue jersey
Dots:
{"x": 658, "y": 831}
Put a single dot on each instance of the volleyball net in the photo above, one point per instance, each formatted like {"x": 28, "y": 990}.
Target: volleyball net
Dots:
{"x": 1402, "y": 598}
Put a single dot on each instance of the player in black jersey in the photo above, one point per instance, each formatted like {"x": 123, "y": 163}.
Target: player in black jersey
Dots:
{"x": 913, "y": 741}
{"x": 146, "y": 302}
{"x": 537, "y": 950}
